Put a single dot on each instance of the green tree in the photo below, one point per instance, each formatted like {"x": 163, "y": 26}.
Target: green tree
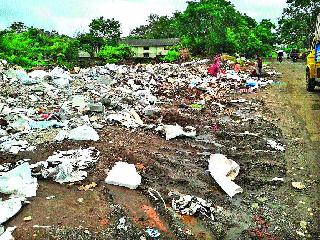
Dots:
{"x": 157, "y": 27}
{"x": 207, "y": 27}
{"x": 115, "y": 54}
{"x": 109, "y": 29}
{"x": 36, "y": 47}
{"x": 297, "y": 24}
{"x": 18, "y": 27}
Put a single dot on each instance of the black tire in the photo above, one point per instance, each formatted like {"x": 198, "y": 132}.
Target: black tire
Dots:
{"x": 309, "y": 82}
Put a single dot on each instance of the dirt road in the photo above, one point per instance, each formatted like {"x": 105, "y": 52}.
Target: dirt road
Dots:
{"x": 267, "y": 209}
{"x": 299, "y": 118}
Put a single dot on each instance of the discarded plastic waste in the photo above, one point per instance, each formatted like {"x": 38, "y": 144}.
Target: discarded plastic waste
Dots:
{"x": 67, "y": 166}
{"x": 7, "y": 235}
{"x": 45, "y": 124}
{"x": 129, "y": 119}
{"x": 224, "y": 170}
{"x": 9, "y": 208}
{"x": 277, "y": 146}
{"x": 173, "y": 131}
{"x": 83, "y": 133}
{"x": 125, "y": 175}
{"x": 121, "y": 225}
{"x": 298, "y": 185}
{"x": 18, "y": 182}
{"x": 191, "y": 205}
{"x": 153, "y": 233}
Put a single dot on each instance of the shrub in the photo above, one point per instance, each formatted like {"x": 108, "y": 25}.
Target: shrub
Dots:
{"x": 116, "y": 54}
{"x": 171, "y": 56}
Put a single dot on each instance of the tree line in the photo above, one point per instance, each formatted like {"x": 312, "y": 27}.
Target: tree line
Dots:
{"x": 206, "y": 27}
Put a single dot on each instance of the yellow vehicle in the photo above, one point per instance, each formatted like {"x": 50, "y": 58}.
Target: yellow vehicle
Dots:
{"x": 313, "y": 61}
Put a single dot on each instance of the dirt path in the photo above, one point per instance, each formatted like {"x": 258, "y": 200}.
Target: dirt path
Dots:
{"x": 299, "y": 118}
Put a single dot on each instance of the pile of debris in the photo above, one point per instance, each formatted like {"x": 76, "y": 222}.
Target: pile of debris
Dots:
{"x": 35, "y": 105}
{"x": 53, "y": 106}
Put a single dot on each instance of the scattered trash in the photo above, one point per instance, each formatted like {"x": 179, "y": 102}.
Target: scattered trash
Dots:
{"x": 18, "y": 182}
{"x": 277, "y": 179}
{"x": 50, "y": 197}
{"x": 153, "y": 233}
{"x": 27, "y": 219}
{"x": 125, "y": 175}
{"x": 67, "y": 166}
{"x": 151, "y": 191}
{"x": 224, "y": 171}
{"x": 190, "y": 205}
{"x": 298, "y": 185}
{"x": 129, "y": 119}
{"x": 83, "y": 133}
{"x": 121, "y": 225}
{"x": 7, "y": 235}
{"x": 9, "y": 208}
{"x": 87, "y": 187}
{"x": 277, "y": 146}
{"x": 173, "y": 131}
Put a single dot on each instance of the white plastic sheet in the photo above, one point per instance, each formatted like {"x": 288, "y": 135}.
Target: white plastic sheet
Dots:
{"x": 224, "y": 171}
{"x": 18, "y": 182}
{"x": 125, "y": 175}
{"x": 7, "y": 235}
{"x": 83, "y": 133}
{"x": 9, "y": 208}
{"x": 173, "y": 131}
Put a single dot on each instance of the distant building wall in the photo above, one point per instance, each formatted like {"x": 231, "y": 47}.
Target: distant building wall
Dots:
{"x": 149, "y": 52}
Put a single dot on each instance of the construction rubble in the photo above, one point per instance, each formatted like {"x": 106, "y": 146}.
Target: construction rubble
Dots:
{"x": 77, "y": 129}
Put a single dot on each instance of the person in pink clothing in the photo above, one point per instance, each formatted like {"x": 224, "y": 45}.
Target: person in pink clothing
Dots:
{"x": 215, "y": 67}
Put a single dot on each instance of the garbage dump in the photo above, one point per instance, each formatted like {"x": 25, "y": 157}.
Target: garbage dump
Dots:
{"x": 180, "y": 113}
{"x": 37, "y": 103}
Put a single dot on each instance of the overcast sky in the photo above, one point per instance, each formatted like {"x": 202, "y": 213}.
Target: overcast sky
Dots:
{"x": 71, "y": 16}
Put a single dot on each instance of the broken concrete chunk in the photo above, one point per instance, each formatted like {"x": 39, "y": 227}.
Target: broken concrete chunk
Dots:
{"x": 224, "y": 171}
{"x": 125, "y": 175}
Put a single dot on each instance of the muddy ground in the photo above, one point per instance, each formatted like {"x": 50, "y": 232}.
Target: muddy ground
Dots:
{"x": 266, "y": 209}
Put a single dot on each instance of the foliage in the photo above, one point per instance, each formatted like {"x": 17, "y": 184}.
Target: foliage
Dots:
{"x": 109, "y": 29}
{"x": 115, "y": 54}
{"x": 297, "y": 24}
{"x": 35, "y": 47}
{"x": 157, "y": 27}
{"x": 90, "y": 43}
{"x": 102, "y": 32}
{"x": 172, "y": 56}
{"x": 18, "y": 27}
{"x": 208, "y": 27}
